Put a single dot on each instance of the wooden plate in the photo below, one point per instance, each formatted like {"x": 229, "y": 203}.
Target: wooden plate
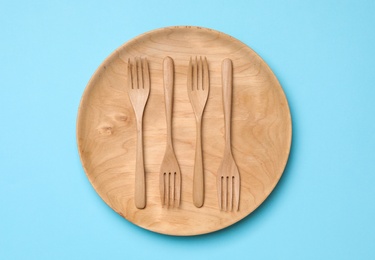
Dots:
{"x": 261, "y": 130}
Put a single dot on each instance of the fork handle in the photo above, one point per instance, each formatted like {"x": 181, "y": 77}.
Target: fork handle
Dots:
{"x": 227, "y": 81}
{"x": 140, "y": 182}
{"x": 198, "y": 178}
{"x": 168, "y": 73}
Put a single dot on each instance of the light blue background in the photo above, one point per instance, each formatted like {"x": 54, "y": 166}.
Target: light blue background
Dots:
{"x": 323, "y": 53}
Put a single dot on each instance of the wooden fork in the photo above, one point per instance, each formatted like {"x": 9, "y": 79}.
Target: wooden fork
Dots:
{"x": 198, "y": 87}
{"x": 228, "y": 177}
{"x": 139, "y": 90}
{"x": 170, "y": 175}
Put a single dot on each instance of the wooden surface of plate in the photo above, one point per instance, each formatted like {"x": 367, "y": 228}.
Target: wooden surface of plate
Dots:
{"x": 261, "y": 130}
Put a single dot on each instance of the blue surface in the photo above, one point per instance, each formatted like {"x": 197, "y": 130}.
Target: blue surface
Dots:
{"x": 322, "y": 52}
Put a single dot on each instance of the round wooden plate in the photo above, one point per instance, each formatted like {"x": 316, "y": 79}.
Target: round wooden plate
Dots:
{"x": 261, "y": 130}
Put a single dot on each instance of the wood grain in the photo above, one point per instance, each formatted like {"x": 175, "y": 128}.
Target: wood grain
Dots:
{"x": 106, "y": 130}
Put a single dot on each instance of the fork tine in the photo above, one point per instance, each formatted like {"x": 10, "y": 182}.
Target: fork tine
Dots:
{"x": 130, "y": 78}
{"x": 190, "y": 76}
{"x": 139, "y": 72}
{"x": 162, "y": 189}
{"x": 200, "y": 74}
{"x": 236, "y": 193}
{"x": 172, "y": 188}
{"x": 206, "y": 76}
{"x": 134, "y": 75}
{"x": 219, "y": 185}
{"x": 146, "y": 74}
{"x": 230, "y": 193}
{"x": 178, "y": 189}
{"x": 168, "y": 194}
{"x": 225, "y": 193}
{"x": 195, "y": 74}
